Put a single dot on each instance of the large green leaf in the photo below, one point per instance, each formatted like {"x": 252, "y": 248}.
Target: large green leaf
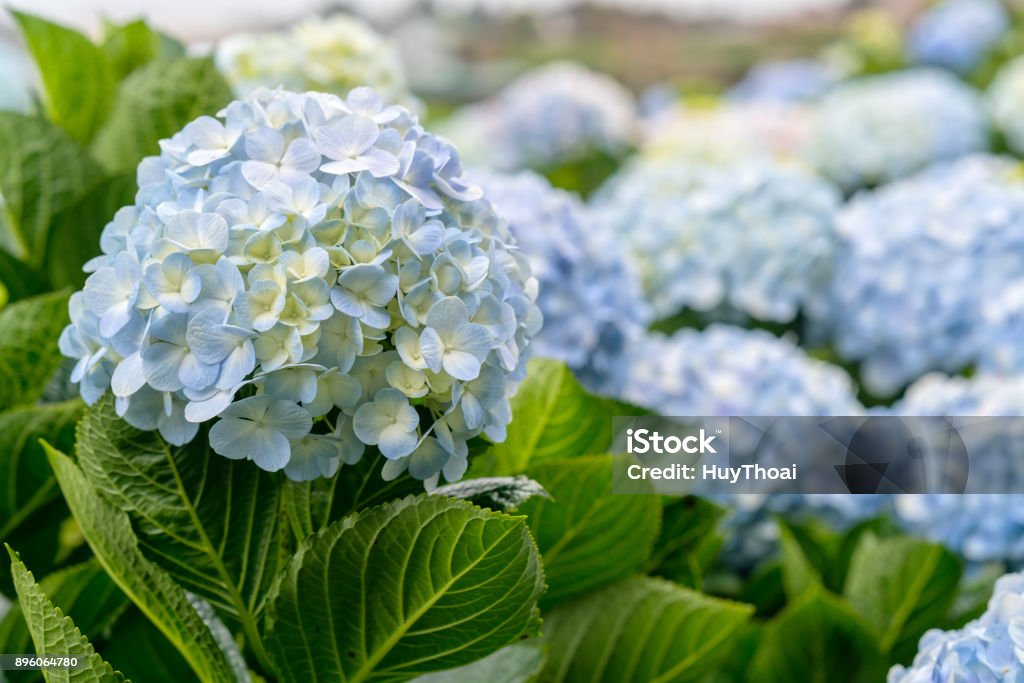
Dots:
{"x": 26, "y": 483}
{"x": 816, "y": 639}
{"x": 42, "y": 171}
{"x": 417, "y": 585}
{"x": 137, "y": 649}
{"x": 83, "y": 592}
{"x": 29, "y": 355}
{"x": 518, "y": 663}
{"x": 133, "y": 44}
{"x": 688, "y": 541}
{"x": 55, "y": 634}
{"x": 641, "y": 629}
{"x": 312, "y": 505}
{"x": 75, "y": 231}
{"x": 214, "y": 524}
{"x": 109, "y": 533}
{"x": 587, "y": 536}
{"x": 552, "y": 417}
{"x": 154, "y": 102}
{"x": 902, "y": 587}
{"x": 78, "y": 78}
{"x": 16, "y": 277}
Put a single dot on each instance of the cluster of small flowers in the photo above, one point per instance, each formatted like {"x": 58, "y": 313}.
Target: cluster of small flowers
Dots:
{"x": 727, "y": 370}
{"x": 989, "y": 649}
{"x": 756, "y": 237}
{"x": 590, "y": 299}
{"x": 557, "y": 113}
{"x": 792, "y": 80}
{"x": 332, "y": 55}
{"x": 325, "y": 260}
{"x": 957, "y": 34}
{"x": 1005, "y": 100}
{"x": 729, "y": 132}
{"x": 982, "y": 527}
{"x": 920, "y": 271}
{"x": 873, "y": 130}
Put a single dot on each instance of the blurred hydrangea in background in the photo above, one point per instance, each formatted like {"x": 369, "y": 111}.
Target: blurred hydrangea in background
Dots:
{"x": 872, "y": 130}
{"x": 317, "y": 273}
{"x": 591, "y": 302}
{"x": 990, "y": 648}
{"x": 755, "y": 238}
{"x": 1006, "y": 104}
{"x": 920, "y": 260}
{"x": 331, "y": 55}
{"x": 957, "y": 34}
{"x": 793, "y": 80}
{"x": 557, "y": 113}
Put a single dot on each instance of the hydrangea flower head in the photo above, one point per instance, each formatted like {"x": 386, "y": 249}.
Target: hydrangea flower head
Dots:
{"x": 875, "y": 129}
{"x": 923, "y": 262}
{"x": 590, "y": 298}
{"x": 757, "y": 238}
{"x": 316, "y": 274}
{"x": 557, "y": 113}
{"x": 1005, "y": 100}
{"x": 982, "y": 527}
{"x": 330, "y": 55}
{"x": 957, "y": 34}
{"x": 990, "y": 648}
{"x": 792, "y": 80}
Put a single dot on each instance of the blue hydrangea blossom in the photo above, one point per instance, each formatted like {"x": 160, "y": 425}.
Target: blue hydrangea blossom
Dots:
{"x": 875, "y": 129}
{"x": 590, "y": 298}
{"x": 560, "y": 112}
{"x": 982, "y": 527}
{"x": 756, "y": 237}
{"x": 957, "y": 34}
{"x": 791, "y": 80}
{"x": 989, "y": 649}
{"x": 922, "y": 268}
{"x": 316, "y": 274}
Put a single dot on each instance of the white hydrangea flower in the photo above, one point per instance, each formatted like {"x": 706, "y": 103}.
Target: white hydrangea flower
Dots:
{"x": 875, "y": 129}
{"x": 332, "y": 55}
{"x": 560, "y": 112}
{"x": 1005, "y": 100}
{"x": 757, "y": 238}
{"x": 316, "y": 273}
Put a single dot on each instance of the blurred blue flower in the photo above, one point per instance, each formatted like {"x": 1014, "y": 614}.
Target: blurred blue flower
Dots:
{"x": 875, "y": 129}
{"x": 560, "y": 112}
{"x": 957, "y": 34}
{"x": 793, "y": 80}
{"x": 277, "y": 260}
{"x": 758, "y": 238}
{"x": 989, "y": 649}
{"x": 589, "y": 296}
{"x": 919, "y": 276}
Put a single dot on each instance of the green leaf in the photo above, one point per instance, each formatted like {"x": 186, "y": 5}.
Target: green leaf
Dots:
{"x": 417, "y": 585}
{"x": 164, "y": 603}
{"x": 642, "y": 629}
{"x": 688, "y": 541}
{"x": 78, "y": 78}
{"x": 519, "y": 663}
{"x": 902, "y": 587}
{"x": 816, "y": 639}
{"x": 75, "y": 231}
{"x": 497, "y": 493}
{"x": 26, "y": 483}
{"x": 312, "y": 505}
{"x": 212, "y": 523}
{"x": 55, "y": 634}
{"x": 42, "y": 172}
{"x": 154, "y": 102}
{"x": 29, "y": 355}
{"x": 134, "y": 44}
{"x": 552, "y": 417}
{"x": 83, "y": 592}
{"x": 587, "y": 536}
{"x": 138, "y": 650}
{"x": 19, "y": 279}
